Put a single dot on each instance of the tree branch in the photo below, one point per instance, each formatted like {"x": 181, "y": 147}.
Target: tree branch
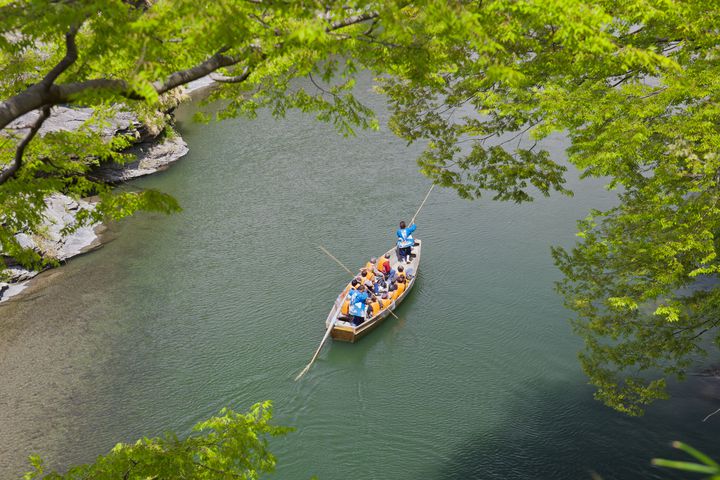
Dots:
{"x": 236, "y": 79}
{"x": 47, "y": 93}
{"x": 352, "y": 20}
{"x": 215, "y": 470}
{"x": 71, "y": 55}
{"x": 37, "y": 95}
{"x": 182, "y": 77}
{"x": 10, "y": 172}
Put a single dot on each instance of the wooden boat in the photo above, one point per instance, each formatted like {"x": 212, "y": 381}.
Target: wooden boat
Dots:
{"x": 347, "y": 332}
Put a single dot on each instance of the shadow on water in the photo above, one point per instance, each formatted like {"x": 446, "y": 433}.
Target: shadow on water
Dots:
{"x": 570, "y": 435}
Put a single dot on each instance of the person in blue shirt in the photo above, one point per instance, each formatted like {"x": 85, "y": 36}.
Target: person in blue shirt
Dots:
{"x": 357, "y": 306}
{"x": 405, "y": 241}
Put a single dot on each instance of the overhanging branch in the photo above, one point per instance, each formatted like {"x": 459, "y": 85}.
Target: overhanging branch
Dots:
{"x": 48, "y": 93}
{"x": 10, "y": 172}
{"x": 235, "y": 79}
{"x": 346, "y": 22}
{"x": 71, "y": 55}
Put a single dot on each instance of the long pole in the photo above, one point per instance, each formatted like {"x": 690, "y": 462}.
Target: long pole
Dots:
{"x": 336, "y": 260}
{"x": 423, "y": 203}
{"x": 317, "y": 352}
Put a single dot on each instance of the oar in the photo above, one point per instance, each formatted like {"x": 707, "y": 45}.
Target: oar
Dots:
{"x": 336, "y": 260}
{"x": 317, "y": 352}
{"x": 423, "y": 203}
{"x": 332, "y": 323}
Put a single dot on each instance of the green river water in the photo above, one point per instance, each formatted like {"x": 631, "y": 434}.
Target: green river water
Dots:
{"x": 222, "y": 304}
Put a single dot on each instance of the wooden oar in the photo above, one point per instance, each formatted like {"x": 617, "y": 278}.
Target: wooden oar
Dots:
{"x": 423, "y": 203}
{"x": 336, "y": 260}
{"x": 317, "y": 352}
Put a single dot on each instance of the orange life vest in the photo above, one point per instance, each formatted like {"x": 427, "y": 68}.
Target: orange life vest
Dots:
{"x": 345, "y": 309}
{"x": 381, "y": 265}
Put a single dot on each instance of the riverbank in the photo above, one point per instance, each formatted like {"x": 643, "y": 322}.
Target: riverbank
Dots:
{"x": 156, "y": 147}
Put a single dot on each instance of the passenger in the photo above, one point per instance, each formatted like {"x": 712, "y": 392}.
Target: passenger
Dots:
{"x": 372, "y": 266}
{"x": 399, "y": 290}
{"x": 353, "y": 288}
{"x": 394, "y": 295}
{"x": 405, "y": 241}
{"x": 379, "y": 285}
{"x": 401, "y": 285}
{"x": 367, "y": 274}
{"x": 383, "y": 265}
{"x": 357, "y": 306}
{"x": 345, "y": 312}
{"x": 350, "y": 286}
{"x": 385, "y": 300}
{"x": 393, "y": 275}
{"x": 409, "y": 273}
{"x": 374, "y": 307}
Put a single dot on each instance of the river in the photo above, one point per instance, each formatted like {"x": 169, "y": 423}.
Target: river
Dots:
{"x": 222, "y": 304}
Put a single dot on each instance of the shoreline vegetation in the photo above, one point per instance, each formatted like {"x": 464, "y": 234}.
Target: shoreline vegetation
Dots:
{"x": 155, "y": 148}
{"x": 87, "y": 92}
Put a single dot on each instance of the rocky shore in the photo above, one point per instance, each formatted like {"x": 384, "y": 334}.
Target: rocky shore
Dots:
{"x": 154, "y": 151}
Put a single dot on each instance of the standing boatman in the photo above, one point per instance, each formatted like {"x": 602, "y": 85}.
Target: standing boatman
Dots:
{"x": 405, "y": 241}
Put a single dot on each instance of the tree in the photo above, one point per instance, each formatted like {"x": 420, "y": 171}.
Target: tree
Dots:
{"x": 633, "y": 84}
{"x": 103, "y": 53}
{"x": 231, "y": 445}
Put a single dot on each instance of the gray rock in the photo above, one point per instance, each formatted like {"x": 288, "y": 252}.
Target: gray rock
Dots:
{"x": 60, "y": 211}
{"x": 8, "y": 290}
{"x": 199, "y": 86}
{"x": 18, "y": 274}
{"x": 67, "y": 119}
{"x": 51, "y": 243}
{"x": 60, "y": 214}
{"x": 150, "y": 158}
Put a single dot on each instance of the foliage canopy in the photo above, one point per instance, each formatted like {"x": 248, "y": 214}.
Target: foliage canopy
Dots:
{"x": 634, "y": 85}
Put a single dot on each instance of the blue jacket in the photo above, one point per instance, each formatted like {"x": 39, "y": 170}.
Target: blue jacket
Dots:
{"x": 351, "y": 294}
{"x": 405, "y": 238}
{"x": 357, "y": 304}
